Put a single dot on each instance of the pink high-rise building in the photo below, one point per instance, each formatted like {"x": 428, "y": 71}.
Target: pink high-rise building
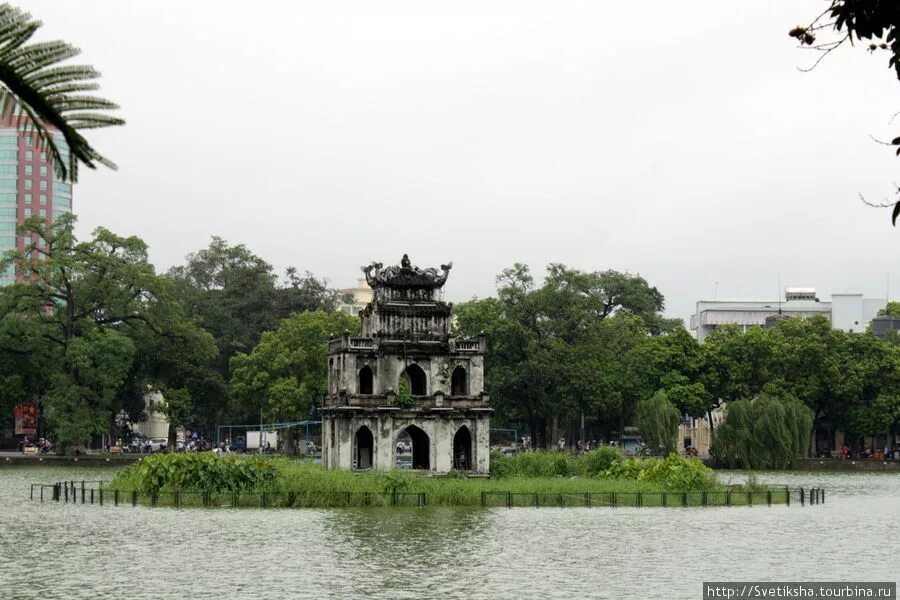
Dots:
{"x": 28, "y": 185}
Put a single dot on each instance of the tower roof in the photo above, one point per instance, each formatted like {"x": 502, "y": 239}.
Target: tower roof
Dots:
{"x": 405, "y": 275}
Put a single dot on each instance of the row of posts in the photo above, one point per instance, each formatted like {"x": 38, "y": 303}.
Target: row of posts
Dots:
{"x": 812, "y": 496}
{"x": 816, "y": 496}
{"x": 69, "y": 491}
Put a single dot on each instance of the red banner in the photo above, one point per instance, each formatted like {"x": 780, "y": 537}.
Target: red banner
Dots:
{"x": 26, "y": 419}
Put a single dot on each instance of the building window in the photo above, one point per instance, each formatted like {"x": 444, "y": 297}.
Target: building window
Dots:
{"x": 28, "y": 184}
{"x": 43, "y": 184}
{"x": 28, "y": 140}
{"x": 28, "y": 199}
{"x": 8, "y": 212}
{"x": 28, "y": 170}
{"x": 365, "y": 380}
{"x": 29, "y": 155}
{"x": 43, "y": 170}
{"x": 43, "y": 212}
{"x": 43, "y": 156}
{"x": 27, "y": 212}
{"x": 43, "y": 199}
{"x": 459, "y": 382}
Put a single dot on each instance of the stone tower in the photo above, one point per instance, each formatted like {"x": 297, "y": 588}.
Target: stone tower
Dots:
{"x": 406, "y": 380}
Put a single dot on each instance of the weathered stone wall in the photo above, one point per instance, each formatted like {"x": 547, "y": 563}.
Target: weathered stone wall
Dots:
{"x": 339, "y": 450}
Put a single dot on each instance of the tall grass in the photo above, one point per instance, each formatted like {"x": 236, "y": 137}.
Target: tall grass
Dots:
{"x": 305, "y": 484}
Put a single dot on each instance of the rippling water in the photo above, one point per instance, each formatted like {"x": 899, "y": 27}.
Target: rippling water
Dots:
{"x": 70, "y": 551}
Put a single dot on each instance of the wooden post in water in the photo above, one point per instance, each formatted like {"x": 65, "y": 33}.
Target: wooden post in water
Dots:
{"x": 802, "y": 499}
{"x": 769, "y": 497}
{"x": 787, "y": 495}
{"x": 587, "y": 499}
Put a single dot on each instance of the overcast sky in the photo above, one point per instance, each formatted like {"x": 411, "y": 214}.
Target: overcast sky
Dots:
{"x": 675, "y": 140}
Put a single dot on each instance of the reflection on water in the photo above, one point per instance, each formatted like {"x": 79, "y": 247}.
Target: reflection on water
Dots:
{"x": 65, "y": 551}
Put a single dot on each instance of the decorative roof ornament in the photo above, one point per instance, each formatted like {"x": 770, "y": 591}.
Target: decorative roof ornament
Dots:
{"x": 405, "y": 275}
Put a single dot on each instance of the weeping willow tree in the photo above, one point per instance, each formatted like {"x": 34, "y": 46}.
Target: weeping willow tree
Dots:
{"x": 768, "y": 433}
{"x": 658, "y": 421}
{"x": 39, "y": 94}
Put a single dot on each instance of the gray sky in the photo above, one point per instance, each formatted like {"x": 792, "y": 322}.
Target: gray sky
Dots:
{"x": 675, "y": 140}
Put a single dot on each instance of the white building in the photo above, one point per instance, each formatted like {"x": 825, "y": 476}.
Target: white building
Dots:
{"x": 848, "y": 312}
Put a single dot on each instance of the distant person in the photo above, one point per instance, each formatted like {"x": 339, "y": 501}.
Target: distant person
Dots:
{"x": 844, "y": 451}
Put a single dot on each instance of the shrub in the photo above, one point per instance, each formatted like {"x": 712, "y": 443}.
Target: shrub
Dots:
{"x": 595, "y": 462}
{"x": 198, "y": 471}
{"x": 674, "y": 472}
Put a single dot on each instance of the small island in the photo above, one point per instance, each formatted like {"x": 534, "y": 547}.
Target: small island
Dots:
{"x": 602, "y": 477}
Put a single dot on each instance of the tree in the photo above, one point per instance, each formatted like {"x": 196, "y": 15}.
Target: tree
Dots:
{"x": 891, "y": 310}
{"x": 235, "y": 295}
{"x": 74, "y": 311}
{"x": 287, "y": 372}
{"x": 45, "y": 96}
{"x": 553, "y": 348}
{"x": 658, "y": 420}
{"x": 767, "y": 432}
{"x": 877, "y": 21}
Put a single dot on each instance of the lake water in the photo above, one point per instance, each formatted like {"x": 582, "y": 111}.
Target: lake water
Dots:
{"x": 56, "y": 550}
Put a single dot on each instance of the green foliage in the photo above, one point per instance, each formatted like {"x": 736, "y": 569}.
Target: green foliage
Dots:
{"x": 47, "y": 96}
{"x": 198, "y": 471}
{"x": 311, "y": 485}
{"x": 767, "y": 432}
{"x": 673, "y": 473}
{"x": 288, "y": 370}
{"x": 658, "y": 420}
{"x": 562, "y": 349}
{"x": 235, "y": 295}
{"x": 553, "y": 464}
{"x": 404, "y": 397}
{"x": 891, "y": 310}
{"x": 77, "y": 355}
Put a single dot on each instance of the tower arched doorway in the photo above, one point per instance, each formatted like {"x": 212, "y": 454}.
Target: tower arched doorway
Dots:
{"x": 413, "y": 449}
{"x": 462, "y": 449}
{"x": 365, "y": 448}
{"x": 418, "y": 383}
{"x": 459, "y": 382}
{"x": 366, "y": 380}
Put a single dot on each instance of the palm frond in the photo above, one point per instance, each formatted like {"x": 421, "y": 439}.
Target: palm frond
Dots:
{"x": 46, "y": 97}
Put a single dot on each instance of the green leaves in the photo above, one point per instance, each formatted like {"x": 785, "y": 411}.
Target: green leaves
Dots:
{"x": 658, "y": 420}
{"x": 287, "y": 370}
{"x": 91, "y": 317}
{"x": 45, "y": 97}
